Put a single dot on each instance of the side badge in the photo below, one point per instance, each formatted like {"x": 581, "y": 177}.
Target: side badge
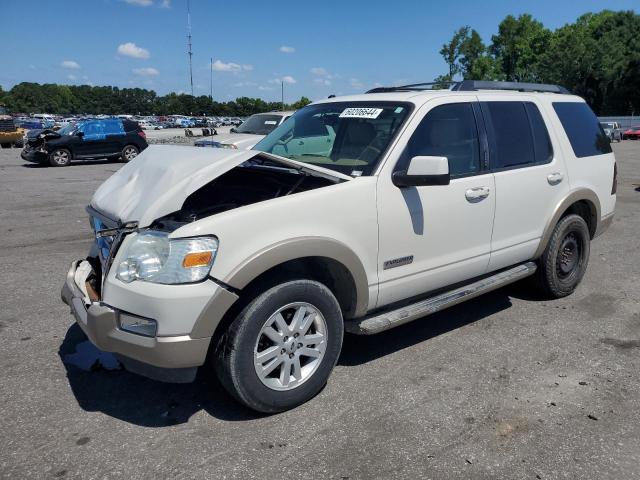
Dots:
{"x": 397, "y": 262}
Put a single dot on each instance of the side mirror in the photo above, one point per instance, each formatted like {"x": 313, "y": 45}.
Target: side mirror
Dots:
{"x": 233, "y": 130}
{"x": 80, "y": 134}
{"x": 423, "y": 171}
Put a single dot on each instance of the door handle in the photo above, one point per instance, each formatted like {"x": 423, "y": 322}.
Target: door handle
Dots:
{"x": 554, "y": 178}
{"x": 477, "y": 194}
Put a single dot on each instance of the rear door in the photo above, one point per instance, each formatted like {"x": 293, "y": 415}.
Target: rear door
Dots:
{"x": 530, "y": 175}
{"x": 114, "y": 136}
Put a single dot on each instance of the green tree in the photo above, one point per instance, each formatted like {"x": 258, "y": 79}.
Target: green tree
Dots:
{"x": 518, "y": 46}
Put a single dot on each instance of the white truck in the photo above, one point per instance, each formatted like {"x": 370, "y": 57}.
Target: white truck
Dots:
{"x": 255, "y": 262}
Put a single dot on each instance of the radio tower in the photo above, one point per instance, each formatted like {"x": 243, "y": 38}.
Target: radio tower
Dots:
{"x": 189, "y": 45}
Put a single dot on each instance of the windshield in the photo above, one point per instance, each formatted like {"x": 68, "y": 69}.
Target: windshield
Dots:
{"x": 348, "y": 137}
{"x": 260, "y": 124}
{"x": 68, "y": 129}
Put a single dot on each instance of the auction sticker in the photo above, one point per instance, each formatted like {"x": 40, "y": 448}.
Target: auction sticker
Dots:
{"x": 270, "y": 122}
{"x": 355, "y": 112}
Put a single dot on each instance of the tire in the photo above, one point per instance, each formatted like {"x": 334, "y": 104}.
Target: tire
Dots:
{"x": 5, "y": 145}
{"x": 564, "y": 261}
{"x": 129, "y": 152}
{"x": 60, "y": 157}
{"x": 314, "y": 348}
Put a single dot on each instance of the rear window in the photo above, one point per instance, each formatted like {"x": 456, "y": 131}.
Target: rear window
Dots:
{"x": 583, "y": 129}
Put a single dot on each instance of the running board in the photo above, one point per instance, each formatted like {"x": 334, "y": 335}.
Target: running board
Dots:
{"x": 393, "y": 318}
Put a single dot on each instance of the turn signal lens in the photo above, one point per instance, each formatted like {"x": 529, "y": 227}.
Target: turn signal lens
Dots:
{"x": 197, "y": 259}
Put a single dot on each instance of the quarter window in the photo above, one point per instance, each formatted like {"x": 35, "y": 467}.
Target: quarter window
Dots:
{"x": 583, "y": 129}
{"x": 448, "y": 131}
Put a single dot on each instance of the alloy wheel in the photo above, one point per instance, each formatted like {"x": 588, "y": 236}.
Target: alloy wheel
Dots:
{"x": 290, "y": 346}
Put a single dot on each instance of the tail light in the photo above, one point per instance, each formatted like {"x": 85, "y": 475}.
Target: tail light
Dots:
{"x": 614, "y": 187}
{"x": 142, "y": 134}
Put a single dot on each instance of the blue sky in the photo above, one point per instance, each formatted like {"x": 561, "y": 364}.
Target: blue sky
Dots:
{"x": 317, "y": 48}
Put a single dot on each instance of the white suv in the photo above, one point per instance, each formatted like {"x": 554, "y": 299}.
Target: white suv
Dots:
{"x": 407, "y": 201}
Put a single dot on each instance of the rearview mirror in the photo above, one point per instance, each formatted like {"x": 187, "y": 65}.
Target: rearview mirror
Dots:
{"x": 423, "y": 171}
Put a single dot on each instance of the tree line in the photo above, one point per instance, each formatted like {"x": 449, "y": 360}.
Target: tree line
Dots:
{"x": 85, "y": 99}
{"x": 597, "y": 57}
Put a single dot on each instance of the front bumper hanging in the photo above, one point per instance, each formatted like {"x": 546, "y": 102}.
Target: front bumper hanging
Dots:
{"x": 170, "y": 359}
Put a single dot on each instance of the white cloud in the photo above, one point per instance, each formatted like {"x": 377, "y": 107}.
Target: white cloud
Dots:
{"x": 245, "y": 84}
{"x": 285, "y": 49}
{"x": 165, "y": 4}
{"x": 72, "y": 77}
{"x": 220, "y": 66}
{"x": 146, "y": 72}
{"x": 355, "y": 83}
{"x": 130, "y": 49}
{"x": 70, "y": 64}
{"x": 140, "y": 3}
{"x": 264, "y": 88}
{"x": 286, "y": 79}
{"x": 319, "y": 71}
{"x": 322, "y": 81}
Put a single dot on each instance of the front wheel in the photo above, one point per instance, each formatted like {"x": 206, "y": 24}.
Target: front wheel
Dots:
{"x": 279, "y": 351}
{"x": 129, "y": 153}
{"x": 564, "y": 261}
{"x": 60, "y": 157}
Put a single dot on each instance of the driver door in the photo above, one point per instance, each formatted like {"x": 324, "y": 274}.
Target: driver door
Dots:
{"x": 431, "y": 237}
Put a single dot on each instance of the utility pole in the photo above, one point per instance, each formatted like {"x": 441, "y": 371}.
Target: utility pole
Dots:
{"x": 211, "y": 81}
{"x": 189, "y": 44}
{"x": 282, "y": 93}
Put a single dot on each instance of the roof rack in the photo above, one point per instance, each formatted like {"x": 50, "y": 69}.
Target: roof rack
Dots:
{"x": 411, "y": 87}
{"x": 474, "y": 85}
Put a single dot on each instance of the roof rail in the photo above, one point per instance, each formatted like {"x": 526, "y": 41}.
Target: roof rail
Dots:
{"x": 472, "y": 85}
{"x": 411, "y": 87}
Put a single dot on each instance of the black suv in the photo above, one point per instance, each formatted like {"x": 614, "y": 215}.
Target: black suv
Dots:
{"x": 86, "y": 139}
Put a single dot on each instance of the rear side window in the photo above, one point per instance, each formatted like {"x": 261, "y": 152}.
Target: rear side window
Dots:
{"x": 130, "y": 126}
{"x": 447, "y": 131}
{"x": 512, "y": 133}
{"x": 583, "y": 129}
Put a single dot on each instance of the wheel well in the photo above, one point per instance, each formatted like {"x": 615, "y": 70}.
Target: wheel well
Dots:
{"x": 587, "y": 211}
{"x": 331, "y": 273}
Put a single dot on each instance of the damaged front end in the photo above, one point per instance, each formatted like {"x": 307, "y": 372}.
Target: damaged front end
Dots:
{"x": 35, "y": 145}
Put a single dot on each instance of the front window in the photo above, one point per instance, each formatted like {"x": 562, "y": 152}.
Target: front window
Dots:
{"x": 348, "y": 137}
{"x": 261, "y": 124}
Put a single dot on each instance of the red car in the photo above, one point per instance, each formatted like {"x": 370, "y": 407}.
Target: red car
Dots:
{"x": 632, "y": 133}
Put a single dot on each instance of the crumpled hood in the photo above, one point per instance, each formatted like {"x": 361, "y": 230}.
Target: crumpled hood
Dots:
{"x": 243, "y": 141}
{"x": 158, "y": 180}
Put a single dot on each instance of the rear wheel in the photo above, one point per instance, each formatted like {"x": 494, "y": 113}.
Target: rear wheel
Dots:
{"x": 129, "y": 152}
{"x": 60, "y": 157}
{"x": 564, "y": 261}
{"x": 279, "y": 351}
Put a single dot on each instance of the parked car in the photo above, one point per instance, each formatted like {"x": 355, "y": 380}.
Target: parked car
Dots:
{"x": 249, "y": 133}
{"x": 612, "y": 130}
{"x": 90, "y": 139}
{"x": 254, "y": 263}
{"x": 632, "y": 133}
{"x": 235, "y": 121}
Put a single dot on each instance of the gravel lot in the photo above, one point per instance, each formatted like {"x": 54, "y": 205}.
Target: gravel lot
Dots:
{"x": 505, "y": 386}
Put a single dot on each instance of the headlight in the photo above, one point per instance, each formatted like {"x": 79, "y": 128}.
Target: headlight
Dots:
{"x": 152, "y": 257}
{"x": 228, "y": 145}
